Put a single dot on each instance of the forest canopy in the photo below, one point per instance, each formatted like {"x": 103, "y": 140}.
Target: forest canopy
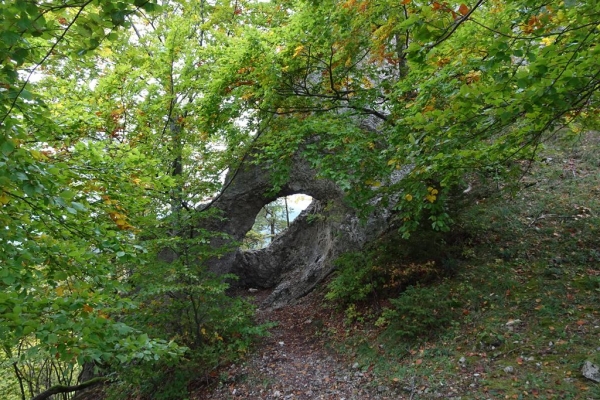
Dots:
{"x": 118, "y": 119}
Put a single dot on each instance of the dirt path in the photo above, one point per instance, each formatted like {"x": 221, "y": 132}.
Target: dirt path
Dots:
{"x": 295, "y": 363}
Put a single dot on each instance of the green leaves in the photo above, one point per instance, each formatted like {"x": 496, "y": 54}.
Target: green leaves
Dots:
{"x": 62, "y": 282}
{"x": 117, "y": 135}
{"x": 452, "y": 95}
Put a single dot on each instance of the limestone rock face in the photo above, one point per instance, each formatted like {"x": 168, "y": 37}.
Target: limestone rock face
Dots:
{"x": 302, "y": 256}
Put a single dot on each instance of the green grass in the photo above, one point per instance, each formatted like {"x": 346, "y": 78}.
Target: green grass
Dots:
{"x": 525, "y": 294}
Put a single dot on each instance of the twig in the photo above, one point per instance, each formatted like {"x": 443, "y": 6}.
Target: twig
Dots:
{"x": 455, "y": 26}
{"x": 412, "y": 387}
{"x": 37, "y": 65}
{"x": 544, "y": 216}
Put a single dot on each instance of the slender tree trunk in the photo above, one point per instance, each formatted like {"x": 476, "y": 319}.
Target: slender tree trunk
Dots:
{"x": 176, "y": 172}
{"x": 287, "y": 212}
{"x": 20, "y": 379}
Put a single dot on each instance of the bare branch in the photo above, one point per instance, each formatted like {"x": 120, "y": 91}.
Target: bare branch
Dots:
{"x": 68, "y": 389}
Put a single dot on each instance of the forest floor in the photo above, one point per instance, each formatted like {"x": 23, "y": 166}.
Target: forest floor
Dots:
{"x": 518, "y": 317}
{"x": 296, "y": 360}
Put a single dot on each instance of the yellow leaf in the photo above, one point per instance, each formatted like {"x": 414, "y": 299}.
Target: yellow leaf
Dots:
{"x": 4, "y": 199}
{"x": 60, "y": 291}
{"x": 105, "y": 51}
{"x": 547, "y": 41}
{"x": 297, "y": 51}
{"x": 408, "y": 197}
{"x": 430, "y": 198}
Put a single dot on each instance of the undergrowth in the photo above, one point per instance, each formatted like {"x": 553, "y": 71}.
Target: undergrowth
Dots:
{"x": 505, "y": 308}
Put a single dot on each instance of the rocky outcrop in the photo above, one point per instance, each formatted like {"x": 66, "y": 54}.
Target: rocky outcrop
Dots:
{"x": 302, "y": 256}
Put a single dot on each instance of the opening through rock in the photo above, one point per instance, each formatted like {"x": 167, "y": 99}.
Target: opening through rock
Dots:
{"x": 273, "y": 219}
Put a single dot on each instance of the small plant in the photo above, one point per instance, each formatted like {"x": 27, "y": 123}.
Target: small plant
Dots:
{"x": 353, "y": 315}
{"x": 419, "y": 312}
{"x": 390, "y": 265}
{"x": 355, "y": 279}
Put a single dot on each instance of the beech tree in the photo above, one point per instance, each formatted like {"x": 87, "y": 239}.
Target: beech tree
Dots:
{"x": 119, "y": 118}
{"x": 95, "y": 160}
{"x": 448, "y": 90}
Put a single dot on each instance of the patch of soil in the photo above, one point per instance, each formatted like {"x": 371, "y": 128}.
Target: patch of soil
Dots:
{"x": 295, "y": 362}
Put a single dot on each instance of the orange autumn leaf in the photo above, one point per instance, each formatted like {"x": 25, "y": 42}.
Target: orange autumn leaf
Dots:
{"x": 406, "y": 1}
{"x": 533, "y": 21}
{"x": 87, "y": 308}
{"x": 463, "y": 9}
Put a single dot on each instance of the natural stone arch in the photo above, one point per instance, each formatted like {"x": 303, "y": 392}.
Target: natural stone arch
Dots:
{"x": 303, "y": 255}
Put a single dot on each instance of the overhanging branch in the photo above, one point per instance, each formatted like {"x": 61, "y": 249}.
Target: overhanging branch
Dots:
{"x": 68, "y": 389}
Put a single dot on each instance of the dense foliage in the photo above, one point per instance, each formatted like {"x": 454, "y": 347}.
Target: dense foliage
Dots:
{"x": 449, "y": 89}
{"x": 118, "y": 118}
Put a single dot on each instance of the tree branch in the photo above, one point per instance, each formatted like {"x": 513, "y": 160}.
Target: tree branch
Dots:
{"x": 457, "y": 23}
{"x": 43, "y": 60}
{"x": 68, "y": 389}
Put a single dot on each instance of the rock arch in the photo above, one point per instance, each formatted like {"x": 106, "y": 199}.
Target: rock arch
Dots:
{"x": 302, "y": 256}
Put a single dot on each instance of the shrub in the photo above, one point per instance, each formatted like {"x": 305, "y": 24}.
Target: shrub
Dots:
{"x": 181, "y": 301}
{"x": 420, "y": 312}
{"x": 390, "y": 265}
{"x": 355, "y": 280}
